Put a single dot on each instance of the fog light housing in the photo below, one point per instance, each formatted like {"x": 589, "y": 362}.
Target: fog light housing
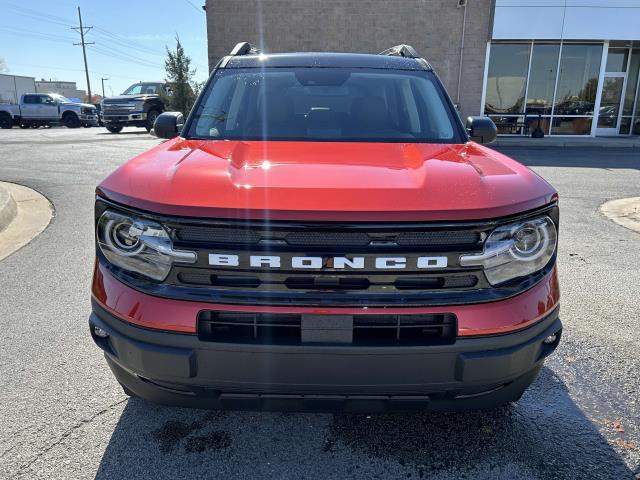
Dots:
{"x": 100, "y": 333}
{"x": 551, "y": 339}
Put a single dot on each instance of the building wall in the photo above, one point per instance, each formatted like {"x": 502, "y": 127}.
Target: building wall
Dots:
{"x": 567, "y": 19}
{"x": 13, "y": 86}
{"x": 433, "y": 27}
{"x": 68, "y": 89}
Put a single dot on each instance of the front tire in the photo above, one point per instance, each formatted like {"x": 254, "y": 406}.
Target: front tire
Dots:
{"x": 70, "y": 120}
{"x": 151, "y": 119}
{"x": 114, "y": 128}
{"x": 6, "y": 121}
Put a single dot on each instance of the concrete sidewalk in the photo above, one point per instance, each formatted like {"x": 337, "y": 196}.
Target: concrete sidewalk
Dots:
{"x": 624, "y": 211}
{"x": 584, "y": 142}
{"x": 8, "y": 208}
{"x": 24, "y": 214}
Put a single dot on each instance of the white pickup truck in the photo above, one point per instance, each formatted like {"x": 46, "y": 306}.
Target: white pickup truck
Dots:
{"x": 41, "y": 109}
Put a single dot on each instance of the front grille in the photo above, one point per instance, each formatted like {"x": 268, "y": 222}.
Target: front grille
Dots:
{"x": 290, "y": 329}
{"x": 247, "y": 236}
{"x": 241, "y": 282}
{"x": 118, "y": 107}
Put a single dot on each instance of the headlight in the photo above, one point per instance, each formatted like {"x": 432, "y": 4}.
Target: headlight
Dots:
{"x": 139, "y": 105}
{"x": 88, "y": 110}
{"x": 516, "y": 250}
{"x": 138, "y": 245}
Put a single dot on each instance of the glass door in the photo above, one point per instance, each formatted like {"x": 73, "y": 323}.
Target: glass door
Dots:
{"x": 609, "y": 113}
{"x": 613, "y": 87}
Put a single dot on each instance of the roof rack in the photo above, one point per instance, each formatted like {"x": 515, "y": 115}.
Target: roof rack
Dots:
{"x": 402, "y": 50}
{"x": 244, "y": 48}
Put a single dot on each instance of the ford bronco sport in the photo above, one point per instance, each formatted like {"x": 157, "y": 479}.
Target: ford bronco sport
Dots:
{"x": 323, "y": 233}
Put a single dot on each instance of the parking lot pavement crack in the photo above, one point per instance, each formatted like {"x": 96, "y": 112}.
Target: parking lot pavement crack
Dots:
{"x": 25, "y": 467}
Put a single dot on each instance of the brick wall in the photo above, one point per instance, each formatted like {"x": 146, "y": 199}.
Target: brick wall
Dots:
{"x": 433, "y": 27}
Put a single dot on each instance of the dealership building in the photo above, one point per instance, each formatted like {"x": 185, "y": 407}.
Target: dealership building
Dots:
{"x": 564, "y": 67}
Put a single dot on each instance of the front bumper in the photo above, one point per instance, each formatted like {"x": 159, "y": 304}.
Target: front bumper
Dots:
{"x": 124, "y": 117}
{"x": 179, "y": 369}
{"x": 89, "y": 119}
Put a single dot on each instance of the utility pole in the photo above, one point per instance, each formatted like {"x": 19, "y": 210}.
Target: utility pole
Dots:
{"x": 82, "y": 30}
{"x": 102, "y": 79}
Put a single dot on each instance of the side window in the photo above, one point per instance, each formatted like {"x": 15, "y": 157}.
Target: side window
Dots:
{"x": 46, "y": 100}
{"x": 30, "y": 99}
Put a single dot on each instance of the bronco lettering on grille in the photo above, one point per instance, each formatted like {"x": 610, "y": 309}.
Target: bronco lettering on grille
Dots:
{"x": 317, "y": 263}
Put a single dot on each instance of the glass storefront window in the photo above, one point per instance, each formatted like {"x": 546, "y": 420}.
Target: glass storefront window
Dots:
{"x": 542, "y": 78}
{"x": 539, "y": 122}
{"x": 625, "y": 125}
{"x": 617, "y": 60}
{"x": 578, "y": 80}
{"x": 632, "y": 82}
{"x": 508, "y": 125}
{"x": 507, "y": 77}
{"x": 571, "y": 125}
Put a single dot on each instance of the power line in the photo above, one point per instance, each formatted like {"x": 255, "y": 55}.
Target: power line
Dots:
{"x": 35, "y": 15}
{"x": 52, "y": 67}
{"x": 36, "y": 35}
{"x": 123, "y": 57}
{"x": 194, "y": 6}
{"x": 124, "y": 42}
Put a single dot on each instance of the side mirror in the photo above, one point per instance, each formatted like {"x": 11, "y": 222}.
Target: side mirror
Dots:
{"x": 481, "y": 129}
{"x": 168, "y": 124}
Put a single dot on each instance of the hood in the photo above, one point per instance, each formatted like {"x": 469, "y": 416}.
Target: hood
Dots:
{"x": 77, "y": 104}
{"x": 129, "y": 98}
{"x": 326, "y": 181}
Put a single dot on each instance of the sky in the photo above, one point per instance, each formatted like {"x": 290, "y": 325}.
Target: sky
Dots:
{"x": 36, "y": 39}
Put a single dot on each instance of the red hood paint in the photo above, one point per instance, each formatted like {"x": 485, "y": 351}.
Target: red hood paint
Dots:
{"x": 326, "y": 181}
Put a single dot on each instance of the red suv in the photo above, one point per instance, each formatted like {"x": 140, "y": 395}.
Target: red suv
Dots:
{"x": 323, "y": 233}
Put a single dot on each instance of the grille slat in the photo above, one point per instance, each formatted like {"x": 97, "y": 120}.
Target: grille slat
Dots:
{"x": 286, "y": 329}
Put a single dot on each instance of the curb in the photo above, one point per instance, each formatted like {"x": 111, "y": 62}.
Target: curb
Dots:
{"x": 8, "y": 208}
{"x": 624, "y": 212}
{"x": 526, "y": 142}
{"x": 32, "y": 214}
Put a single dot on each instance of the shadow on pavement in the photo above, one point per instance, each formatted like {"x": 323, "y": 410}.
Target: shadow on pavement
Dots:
{"x": 128, "y": 132}
{"x": 607, "y": 158}
{"x": 545, "y": 435}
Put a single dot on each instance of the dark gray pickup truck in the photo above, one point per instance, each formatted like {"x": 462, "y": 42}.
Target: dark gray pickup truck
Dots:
{"x": 138, "y": 106}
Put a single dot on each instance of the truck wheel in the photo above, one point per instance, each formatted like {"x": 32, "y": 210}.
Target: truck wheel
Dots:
{"x": 25, "y": 125}
{"x": 114, "y": 129}
{"x": 5, "y": 120}
{"x": 70, "y": 120}
{"x": 151, "y": 119}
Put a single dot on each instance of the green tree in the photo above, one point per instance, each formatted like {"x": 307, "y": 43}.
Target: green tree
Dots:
{"x": 180, "y": 79}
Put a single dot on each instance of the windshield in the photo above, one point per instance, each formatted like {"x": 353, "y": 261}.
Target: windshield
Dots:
{"x": 61, "y": 98}
{"x": 143, "y": 89}
{"x": 330, "y": 104}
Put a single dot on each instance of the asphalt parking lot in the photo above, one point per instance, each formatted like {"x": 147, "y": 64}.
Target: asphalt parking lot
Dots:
{"x": 63, "y": 416}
